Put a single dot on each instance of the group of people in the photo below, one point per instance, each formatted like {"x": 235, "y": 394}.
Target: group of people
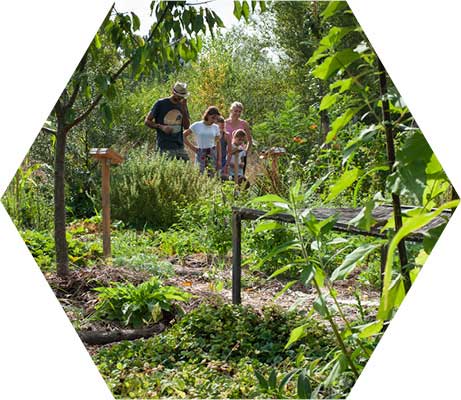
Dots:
{"x": 222, "y": 145}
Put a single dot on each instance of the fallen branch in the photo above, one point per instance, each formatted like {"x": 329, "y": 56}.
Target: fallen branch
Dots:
{"x": 104, "y": 337}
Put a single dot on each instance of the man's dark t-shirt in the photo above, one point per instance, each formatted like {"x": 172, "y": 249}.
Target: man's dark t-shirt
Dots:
{"x": 165, "y": 112}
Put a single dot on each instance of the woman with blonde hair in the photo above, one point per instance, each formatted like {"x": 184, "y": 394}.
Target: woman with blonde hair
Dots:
{"x": 235, "y": 122}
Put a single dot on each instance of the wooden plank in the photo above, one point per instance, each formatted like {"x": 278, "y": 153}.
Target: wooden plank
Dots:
{"x": 106, "y": 153}
{"x": 381, "y": 214}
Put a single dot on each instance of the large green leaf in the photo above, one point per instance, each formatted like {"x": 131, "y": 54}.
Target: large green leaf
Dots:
{"x": 332, "y": 8}
{"x": 334, "y": 35}
{"x": 296, "y": 334}
{"x": 352, "y": 259}
{"x": 409, "y": 225}
{"x": 328, "y": 100}
{"x": 332, "y": 64}
{"x": 246, "y": 10}
{"x": 340, "y": 123}
{"x": 344, "y": 181}
{"x": 303, "y": 386}
{"x": 371, "y": 329}
{"x": 237, "y": 10}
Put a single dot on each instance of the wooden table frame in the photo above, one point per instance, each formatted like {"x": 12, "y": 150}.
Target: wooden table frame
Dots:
{"x": 344, "y": 215}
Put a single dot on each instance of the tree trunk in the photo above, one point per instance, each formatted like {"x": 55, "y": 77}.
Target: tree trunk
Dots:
{"x": 62, "y": 260}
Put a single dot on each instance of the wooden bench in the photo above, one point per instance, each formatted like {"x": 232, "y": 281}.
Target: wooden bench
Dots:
{"x": 380, "y": 214}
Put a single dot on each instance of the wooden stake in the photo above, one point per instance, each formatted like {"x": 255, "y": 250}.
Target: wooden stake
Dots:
{"x": 106, "y": 208}
{"x": 107, "y": 157}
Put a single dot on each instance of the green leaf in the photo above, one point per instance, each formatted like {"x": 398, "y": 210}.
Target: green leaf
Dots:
{"x": 328, "y": 100}
{"x": 107, "y": 113}
{"x": 270, "y": 198}
{"x": 287, "y": 378}
{"x": 371, "y": 329}
{"x": 281, "y": 270}
{"x": 340, "y": 123}
{"x": 343, "y": 84}
{"x": 272, "y": 381}
{"x": 321, "y": 306}
{"x": 343, "y": 182}
{"x": 334, "y": 36}
{"x": 265, "y": 226}
{"x": 246, "y": 10}
{"x": 285, "y": 288}
{"x": 364, "y": 219}
{"x": 352, "y": 259}
{"x": 237, "y": 10}
{"x": 304, "y": 386}
{"x": 332, "y": 64}
{"x": 97, "y": 41}
{"x": 409, "y": 225}
{"x": 296, "y": 334}
{"x": 262, "y": 381}
{"x": 332, "y": 8}
{"x": 395, "y": 296}
{"x": 136, "y": 21}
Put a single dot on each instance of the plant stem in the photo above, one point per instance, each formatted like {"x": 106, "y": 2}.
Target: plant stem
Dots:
{"x": 329, "y": 317}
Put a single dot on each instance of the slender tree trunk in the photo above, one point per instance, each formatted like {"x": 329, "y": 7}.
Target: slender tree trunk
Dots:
{"x": 62, "y": 260}
{"x": 391, "y": 158}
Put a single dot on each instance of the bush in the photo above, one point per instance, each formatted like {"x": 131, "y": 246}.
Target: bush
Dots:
{"x": 150, "y": 190}
{"x": 212, "y": 352}
{"x": 137, "y": 305}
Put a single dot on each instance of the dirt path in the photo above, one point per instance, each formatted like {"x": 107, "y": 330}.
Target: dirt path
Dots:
{"x": 194, "y": 276}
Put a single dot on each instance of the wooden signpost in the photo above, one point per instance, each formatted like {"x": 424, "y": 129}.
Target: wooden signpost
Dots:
{"x": 106, "y": 157}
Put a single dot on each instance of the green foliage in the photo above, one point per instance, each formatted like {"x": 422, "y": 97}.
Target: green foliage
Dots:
{"x": 149, "y": 190}
{"x": 137, "y": 305}
{"x": 41, "y": 246}
{"x": 213, "y": 351}
{"x": 29, "y": 197}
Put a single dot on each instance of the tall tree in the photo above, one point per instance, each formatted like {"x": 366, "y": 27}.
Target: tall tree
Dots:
{"x": 174, "y": 36}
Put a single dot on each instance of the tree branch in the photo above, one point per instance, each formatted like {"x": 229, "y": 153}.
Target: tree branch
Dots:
{"x": 114, "y": 77}
{"x": 80, "y": 68}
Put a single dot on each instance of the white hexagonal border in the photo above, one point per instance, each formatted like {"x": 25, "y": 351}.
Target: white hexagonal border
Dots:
{"x": 43, "y": 41}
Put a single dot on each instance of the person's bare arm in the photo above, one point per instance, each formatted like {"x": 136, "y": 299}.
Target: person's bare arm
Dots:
{"x": 247, "y": 130}
{"x": 187, "y": 142}
{"x": 149, "y": 121}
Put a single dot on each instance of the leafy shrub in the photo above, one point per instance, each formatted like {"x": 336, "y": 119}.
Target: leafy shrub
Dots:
{"x": 29, "y": 197}
{"x": 137, "y": 305}
{"x": 212, "y": 352}
{"x": 41, "y": 245}
{"x": 150, "y": 190}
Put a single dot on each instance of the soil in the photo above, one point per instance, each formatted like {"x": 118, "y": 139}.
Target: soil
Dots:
{"x": 194, "y": 275}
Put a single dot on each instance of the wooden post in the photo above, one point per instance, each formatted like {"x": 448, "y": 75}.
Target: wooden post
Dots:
{"x": 105, "y": 194}
{"x": 106, "y": 157}
{"x": 236, "y": 256}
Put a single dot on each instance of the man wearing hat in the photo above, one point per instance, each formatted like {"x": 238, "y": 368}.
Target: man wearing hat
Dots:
{"x": 170, "y": 116}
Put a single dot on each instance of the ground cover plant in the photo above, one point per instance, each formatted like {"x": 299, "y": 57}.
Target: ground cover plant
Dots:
{"x": 156, "y": 315}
